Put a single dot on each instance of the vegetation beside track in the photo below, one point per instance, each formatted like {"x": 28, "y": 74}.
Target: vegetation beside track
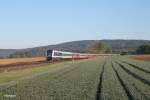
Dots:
{"x": 97, "y": 79}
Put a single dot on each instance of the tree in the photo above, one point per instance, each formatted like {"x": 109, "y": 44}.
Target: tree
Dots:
{"x": 143, "y": 49}
{"x": 100, "y": 48}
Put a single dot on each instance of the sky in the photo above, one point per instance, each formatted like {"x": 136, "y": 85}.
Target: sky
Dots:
{"x": 32, "y": 23}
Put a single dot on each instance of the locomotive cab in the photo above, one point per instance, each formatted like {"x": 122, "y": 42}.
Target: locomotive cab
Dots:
{"x": 49, "y": 55}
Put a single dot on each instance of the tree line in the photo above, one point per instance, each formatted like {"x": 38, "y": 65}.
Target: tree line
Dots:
{"x": 103, "y": 48}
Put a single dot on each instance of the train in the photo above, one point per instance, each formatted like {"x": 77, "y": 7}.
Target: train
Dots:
{"x": 52, "y": 55}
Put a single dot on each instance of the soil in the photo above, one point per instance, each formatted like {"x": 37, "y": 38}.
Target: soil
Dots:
{"x": 142, "y": 57}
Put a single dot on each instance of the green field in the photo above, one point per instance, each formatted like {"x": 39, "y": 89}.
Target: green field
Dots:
{"x": 117, "y": 78}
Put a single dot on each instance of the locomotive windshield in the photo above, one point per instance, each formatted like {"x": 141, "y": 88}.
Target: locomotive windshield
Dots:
{"x": 49, "y": 53}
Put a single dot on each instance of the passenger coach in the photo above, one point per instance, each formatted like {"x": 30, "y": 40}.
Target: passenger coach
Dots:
{"x": 57, "y": 55}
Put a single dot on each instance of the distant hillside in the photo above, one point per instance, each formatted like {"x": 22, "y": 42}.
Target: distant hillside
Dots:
{"x": 75, "y": 46}
{"x": 6, "y": 52}
{"x": 78, "y": 46}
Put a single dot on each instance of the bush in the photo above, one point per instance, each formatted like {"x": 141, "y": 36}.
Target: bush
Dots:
{"x": 143, "y": 49}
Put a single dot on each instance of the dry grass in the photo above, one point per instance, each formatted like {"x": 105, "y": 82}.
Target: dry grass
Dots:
{"x": 20, "y": 60}
{"x": 142, "y": 57}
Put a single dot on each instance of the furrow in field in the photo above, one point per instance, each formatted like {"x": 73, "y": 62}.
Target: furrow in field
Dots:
{"x": 130, "y": 97}
{"x": 137, "y": 67}
{"x": 141, "y": 64}
{"x": 142, "y": 74}
{"x": 134, "y": 75}
{"x": 99, "y": 88}
{"x": 137, "y": 89}
{"x": 111, "y": 87}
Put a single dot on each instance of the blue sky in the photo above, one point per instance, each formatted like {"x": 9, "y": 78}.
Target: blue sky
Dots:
{"x": 31, "y": 23}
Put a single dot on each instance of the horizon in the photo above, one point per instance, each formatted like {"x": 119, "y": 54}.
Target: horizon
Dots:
{"x": 28, "y": 24}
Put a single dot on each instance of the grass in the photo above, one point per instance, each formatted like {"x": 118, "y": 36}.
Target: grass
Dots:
{"x": 94, "y": 79}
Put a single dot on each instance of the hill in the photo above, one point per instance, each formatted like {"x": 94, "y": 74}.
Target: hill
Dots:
{"x": 6, "y": 52}
{"x": 76, "y": 46}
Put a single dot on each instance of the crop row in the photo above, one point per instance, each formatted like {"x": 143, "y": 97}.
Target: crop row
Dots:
{"x": 136, "y": 81}
{"x": 122, "y": 81}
